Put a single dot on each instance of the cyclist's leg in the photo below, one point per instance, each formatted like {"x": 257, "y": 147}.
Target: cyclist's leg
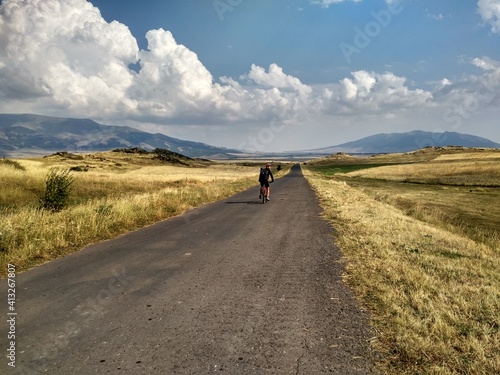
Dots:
{"x": 268, "y": 190}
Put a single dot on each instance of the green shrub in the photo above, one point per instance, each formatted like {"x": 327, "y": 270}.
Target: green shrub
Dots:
{"x": 57, "y": 189}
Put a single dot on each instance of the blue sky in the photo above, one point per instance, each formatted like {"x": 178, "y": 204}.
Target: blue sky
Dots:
{"x": 426, "y": 38}
{"x": 257, "y": 74}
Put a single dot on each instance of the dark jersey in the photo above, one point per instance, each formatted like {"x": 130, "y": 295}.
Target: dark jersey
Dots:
{"x": 265, "y": 173}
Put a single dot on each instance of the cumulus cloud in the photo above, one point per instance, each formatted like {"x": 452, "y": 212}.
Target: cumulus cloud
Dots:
{"x": 64, "y": 56}
{"x": 171, "y": 78}
{"x": 486, "y": 64}
{"x": 60, "y": 57}
{"x": 276, "y": 78}
{"x": 487, "y": 86}
{"x": 374, "y": 92}
{"x": 480, "y": 93}
{"x": 490, "y": 12}
{"x": 61, "y": 51}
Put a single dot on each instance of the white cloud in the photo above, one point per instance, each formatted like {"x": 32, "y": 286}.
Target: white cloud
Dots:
{"x": 490, "y": 12}
{"x": 64, "y": 54}
{"x": 171, "y": 78}
{"x": 276, "y": 78}
{"x": 445, "y": 82}
{"x": 460, "y": 101}
{"x": 487, "y": 86}
{"x": 486, "y": 64}
{"x": 437, "y": 17}
{"x": 172, "y": 82}
{"x": 360, "y": 87}
{"x": 374, "y": 92}
{"x": 60, "y": 57}
{"x": 327, "y": 3}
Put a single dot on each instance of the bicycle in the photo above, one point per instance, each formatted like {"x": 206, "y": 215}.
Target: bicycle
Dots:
{"x": 263, "y": 194}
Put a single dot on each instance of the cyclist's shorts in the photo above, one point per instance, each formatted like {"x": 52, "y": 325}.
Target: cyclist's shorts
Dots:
{"x": 264, "y": 183}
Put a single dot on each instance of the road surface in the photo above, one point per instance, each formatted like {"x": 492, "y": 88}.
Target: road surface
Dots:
{"x": 233, "y": 287}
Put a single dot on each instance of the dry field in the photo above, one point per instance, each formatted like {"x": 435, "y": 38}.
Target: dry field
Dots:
{"x": 421, "y": 245}
{"x": 467, "y": 169}
{"x": 112, "y": 193}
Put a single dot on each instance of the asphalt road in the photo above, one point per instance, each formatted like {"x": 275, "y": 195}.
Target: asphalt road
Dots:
{"x": 233, "y": 287}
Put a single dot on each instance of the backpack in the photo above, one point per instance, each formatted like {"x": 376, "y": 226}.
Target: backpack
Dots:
{"x": 263, "y": 174}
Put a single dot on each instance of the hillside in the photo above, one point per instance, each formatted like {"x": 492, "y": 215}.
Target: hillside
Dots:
{"x": 34, "y": 135}
{"x": 406, "y": 142}
{"x": 27, "y": 134}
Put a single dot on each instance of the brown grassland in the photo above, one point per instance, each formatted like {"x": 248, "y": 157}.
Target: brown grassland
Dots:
{"x": 112, "y": 193}
{"x": 420, "y": 233}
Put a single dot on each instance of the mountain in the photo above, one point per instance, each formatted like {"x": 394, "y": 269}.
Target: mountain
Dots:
{"x": 26, "y": 134}
{"x": 405, "y": 142}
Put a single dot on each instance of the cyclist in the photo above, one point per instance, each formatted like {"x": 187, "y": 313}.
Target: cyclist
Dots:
{"x": 264, "y": 175}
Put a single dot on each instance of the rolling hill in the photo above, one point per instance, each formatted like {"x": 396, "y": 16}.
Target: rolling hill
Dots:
{"x": 27, "y": 134}
{"x": 406, "y": 142}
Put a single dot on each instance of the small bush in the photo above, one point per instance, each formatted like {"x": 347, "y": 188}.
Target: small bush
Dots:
{"x": 57, "y": 189}
{"x": 170, "y": 156}
{"x": 12, "y": 163}
{"x": 133, "y": 150}
{"x": 79, "y": 169}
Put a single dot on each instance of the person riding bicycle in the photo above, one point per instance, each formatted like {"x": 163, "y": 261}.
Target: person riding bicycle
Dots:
{"x": 264, "y": 175}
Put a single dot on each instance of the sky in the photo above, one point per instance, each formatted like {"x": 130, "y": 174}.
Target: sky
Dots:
{"x": 260, "y": 75}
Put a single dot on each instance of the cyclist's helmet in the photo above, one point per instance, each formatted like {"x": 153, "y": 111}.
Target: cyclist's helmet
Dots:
{"x": 268, "y": 165}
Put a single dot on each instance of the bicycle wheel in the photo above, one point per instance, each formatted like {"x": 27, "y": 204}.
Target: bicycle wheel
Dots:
{"x": 263, "y": 193}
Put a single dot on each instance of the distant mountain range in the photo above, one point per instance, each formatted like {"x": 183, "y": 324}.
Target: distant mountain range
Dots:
{"x": 406, "y": 142}
{"x": 26, "y": 134}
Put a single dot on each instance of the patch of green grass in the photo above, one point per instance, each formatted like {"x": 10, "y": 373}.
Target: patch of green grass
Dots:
{"x": 330, "y": 170}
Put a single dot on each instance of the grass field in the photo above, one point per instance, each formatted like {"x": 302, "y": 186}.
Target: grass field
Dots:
{"x": 112, "y": 193}
{"x": 420, "y": 235}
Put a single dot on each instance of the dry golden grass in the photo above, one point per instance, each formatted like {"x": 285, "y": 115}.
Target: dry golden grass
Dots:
{"x": 464, "y": 169}
{"x": 117, "y": 194}
{"x": 134, "y": 174}
{"x": 433, "y": 294}
{"x": 464, "y": 173}
{"x": 485, "y": 155}
{"x": 457, "y": 192}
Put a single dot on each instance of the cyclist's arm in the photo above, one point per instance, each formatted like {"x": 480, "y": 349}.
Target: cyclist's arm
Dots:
{"x": 272, "y": 177}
